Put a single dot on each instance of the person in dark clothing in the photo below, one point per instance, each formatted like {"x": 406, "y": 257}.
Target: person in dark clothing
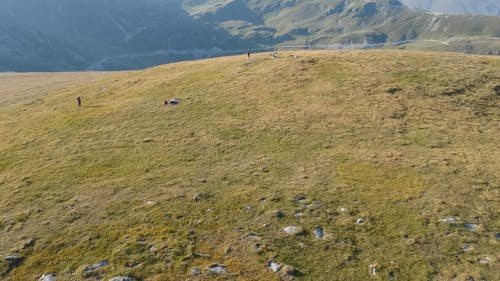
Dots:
{"x": 248, "y": 53}
{"x": 79, "y": 101}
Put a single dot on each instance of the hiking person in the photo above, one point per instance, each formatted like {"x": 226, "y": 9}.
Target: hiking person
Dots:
{"x": 79, "y": 101}
{"x": 248, "y": 53}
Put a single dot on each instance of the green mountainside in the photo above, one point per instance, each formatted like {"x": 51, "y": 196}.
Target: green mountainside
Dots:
{"x": 328, "y": 22}
{"x": 55, "y": 35}
{"x": 305, "y": 165}
{"x": 473, "y": 7}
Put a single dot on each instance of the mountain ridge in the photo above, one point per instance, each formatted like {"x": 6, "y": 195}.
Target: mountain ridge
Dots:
{"x": 116, "y": 35}
{"x": 471, "y": 7}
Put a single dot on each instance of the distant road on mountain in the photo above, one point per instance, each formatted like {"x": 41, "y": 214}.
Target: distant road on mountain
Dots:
{"x": 63, "y": 35}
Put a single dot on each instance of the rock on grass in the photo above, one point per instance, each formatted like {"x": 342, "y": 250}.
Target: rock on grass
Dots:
{"x": 47, "y": 277}
{"x": 92, "y": 270}
{"x": 120, "y": 278}
{"x": 286, "y": 272}
{"x": 9, "y": 263}
{"x": 293, "y": 230}
{"x": 195, "y": 271}
{"x": 96, "y": 266}
{"x": 318, "y": 232}
{"x": 217, "y": 269}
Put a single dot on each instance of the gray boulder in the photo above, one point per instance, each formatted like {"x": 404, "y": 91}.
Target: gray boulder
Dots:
{"x": 120, "y": 278}
{"x": 47, "y": 277}
{"x": 96, "y": 266}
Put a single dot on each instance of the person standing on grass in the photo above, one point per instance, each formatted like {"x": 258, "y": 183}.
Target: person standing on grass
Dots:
{"x": 79, "y": 101}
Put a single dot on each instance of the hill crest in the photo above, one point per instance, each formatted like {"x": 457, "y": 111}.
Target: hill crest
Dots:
{"x": 306, "y": 165}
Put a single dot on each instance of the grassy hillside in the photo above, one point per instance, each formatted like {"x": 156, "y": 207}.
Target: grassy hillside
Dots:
{"x": 393, "y": 154}
{"x": 20, "y": 88}
{"x": 485, "y": 7}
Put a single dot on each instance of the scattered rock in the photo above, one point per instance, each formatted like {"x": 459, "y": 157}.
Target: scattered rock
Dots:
{"x": 248, "y": 208}
{"x": 28, "y": 243}
{"x": 467, "y": 248}
{"x": 217, "y": 269}
{"x": 120, "y": 278}
{"x": 96, "y": 266}
{"x": 174, "y": 101}
{"x": 470, "y": 278}
{"x": 450, "y": 220}
{"x": 298, "y": 214}
{"x": 152, "y": 249}
{"x": 195, "y": 271}
{"x": 47, "y": 277}
{"x": 13, "y": 261}
{"x": 287, "y": 272}
{"x": 497, "y": 89}
{"x": 314, "y": 206}
{"x": 167, "y": 258}
{"x": 266, "y": 225}
{"x": 373, "y": 269}
{"x": 274, "y": 266}
{"x": 391, "y": 275}
{"x": 253, "y": 236}
{"x": 318, "y": 232}
{"x": 141, "y": 240}
{"x": 497, "y": 236}
{"x": 151, "y": 203}
{"x": 471, "y": 226}
{"x": 343, "y": 210}
{"x": 201, "y": 196}
{"x": 300, "y": 199}
{"x": 394, "y": 90}
{"x": 485, "y": 260}
{"x": 257, "y": 248}
{"x": 360, "y": 221}
{"x": 293, "y": 230}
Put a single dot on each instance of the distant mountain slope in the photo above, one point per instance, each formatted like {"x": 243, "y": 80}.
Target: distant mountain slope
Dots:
{"x": 472, "y": 7}
{"x": 332, "y": 22}
{"x": 55, "y": 35}
{"x": 74, "y": 34}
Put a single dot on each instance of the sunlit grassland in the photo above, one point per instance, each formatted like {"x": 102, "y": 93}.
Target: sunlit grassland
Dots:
{"x": 250, "y": 137}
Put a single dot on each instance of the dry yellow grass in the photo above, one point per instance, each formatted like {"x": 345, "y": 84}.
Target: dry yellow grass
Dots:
{"x": 401, "y": 139}
{"x": 26, "y": 87}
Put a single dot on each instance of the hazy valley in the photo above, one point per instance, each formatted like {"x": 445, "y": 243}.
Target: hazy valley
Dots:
{"x": 56, "y": 35}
